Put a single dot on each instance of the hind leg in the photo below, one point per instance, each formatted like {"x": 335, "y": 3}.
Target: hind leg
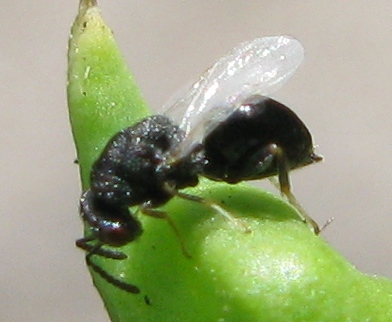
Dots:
{"x": 285, "y": 186}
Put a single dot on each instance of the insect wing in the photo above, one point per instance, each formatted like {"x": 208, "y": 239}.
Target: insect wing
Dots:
{"x": 259, "y": 66}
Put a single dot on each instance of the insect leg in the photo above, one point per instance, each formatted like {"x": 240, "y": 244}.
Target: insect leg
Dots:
{"x": 148, "y": 211}
{"x": 213, "y": 205}
{"x": 285, "y": 187}
{"x": 275, "y": 182}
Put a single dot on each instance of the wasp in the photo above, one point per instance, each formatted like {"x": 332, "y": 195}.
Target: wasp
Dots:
{"x": 223, "y": 127}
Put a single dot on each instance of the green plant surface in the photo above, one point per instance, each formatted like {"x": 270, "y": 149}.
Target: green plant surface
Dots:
{"x": 102, "y": 95}
{"x": 278, "y": 272}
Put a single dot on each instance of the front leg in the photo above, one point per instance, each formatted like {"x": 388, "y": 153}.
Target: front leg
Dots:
{"x": 216, "y": 207}
{"x": 147, "y": 210}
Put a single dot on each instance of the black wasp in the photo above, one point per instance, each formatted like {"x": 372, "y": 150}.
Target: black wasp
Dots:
{"x": 227, "y": 130}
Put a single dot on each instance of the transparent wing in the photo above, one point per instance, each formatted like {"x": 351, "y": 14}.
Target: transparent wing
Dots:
{"x": 259, "y": 66}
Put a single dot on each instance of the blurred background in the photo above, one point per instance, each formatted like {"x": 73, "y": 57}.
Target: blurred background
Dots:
{"x": 342, "y": 92}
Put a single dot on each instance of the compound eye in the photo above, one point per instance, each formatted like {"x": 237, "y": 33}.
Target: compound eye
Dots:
{"x": 115, "y": 233}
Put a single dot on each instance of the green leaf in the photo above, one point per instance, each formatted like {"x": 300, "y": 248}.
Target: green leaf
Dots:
{"x": 280, "y": 271}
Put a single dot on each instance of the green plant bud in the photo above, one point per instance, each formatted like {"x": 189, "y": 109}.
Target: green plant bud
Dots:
{"x": 102, "y": 95}
{"x": 279, "y": 272}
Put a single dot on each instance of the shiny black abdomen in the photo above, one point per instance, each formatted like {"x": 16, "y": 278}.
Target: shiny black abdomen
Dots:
{"x": 239, "y": 148}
